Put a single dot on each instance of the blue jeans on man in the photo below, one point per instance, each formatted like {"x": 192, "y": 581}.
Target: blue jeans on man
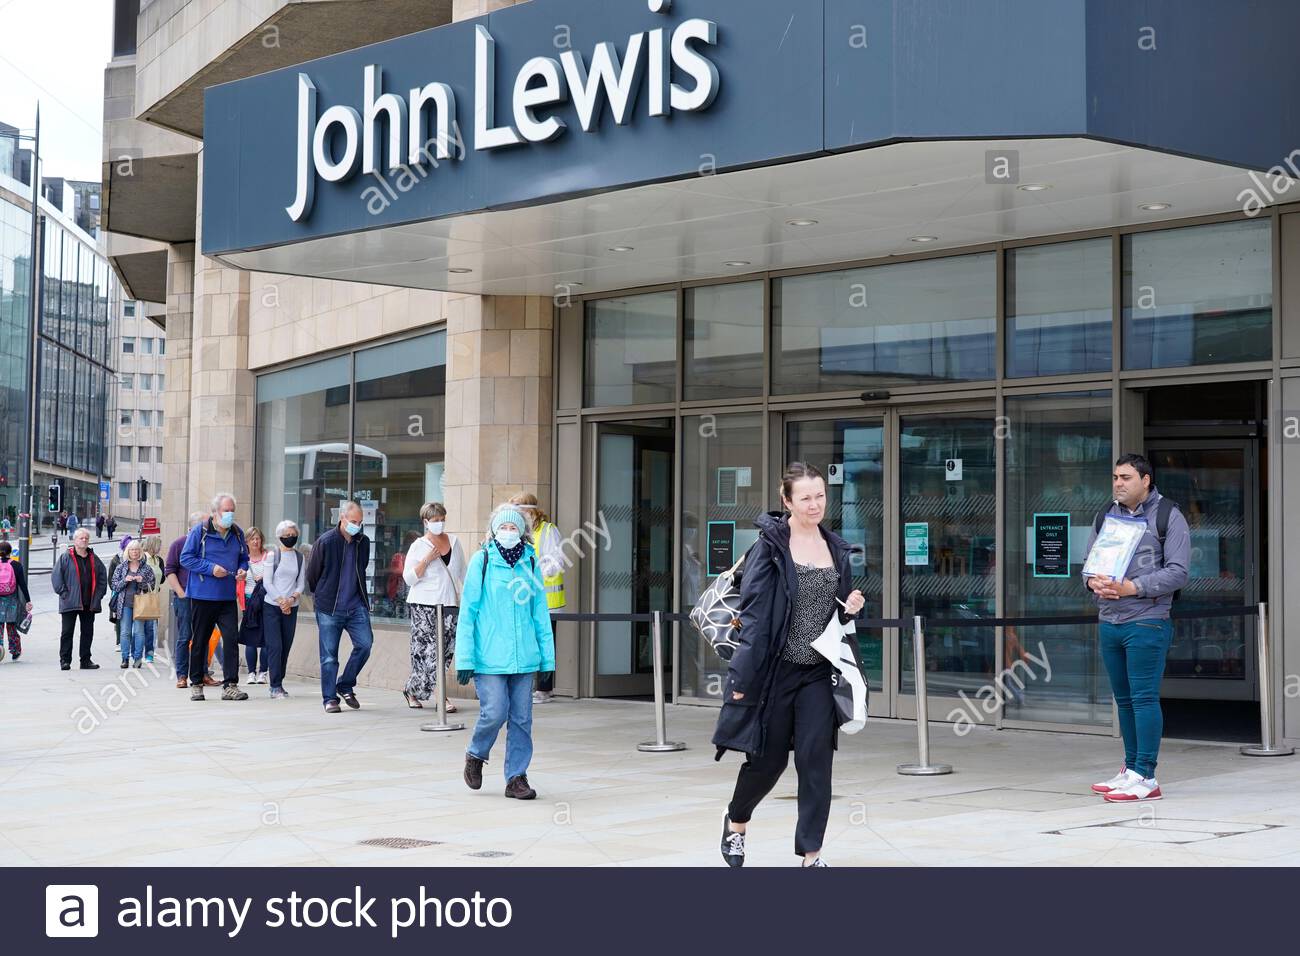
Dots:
{"x": 1134, "y": 655}
{"x": 505, "y": 699}
{"x": 331, "y": 627}
{"x": 181, "y": 647}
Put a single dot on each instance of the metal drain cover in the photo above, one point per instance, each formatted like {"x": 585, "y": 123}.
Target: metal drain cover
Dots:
{"x": 399, "y": 843}
{"x": 490, "y": 854}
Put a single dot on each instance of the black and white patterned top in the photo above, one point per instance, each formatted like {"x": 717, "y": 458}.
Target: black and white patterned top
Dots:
{"x": 818, "y": 588}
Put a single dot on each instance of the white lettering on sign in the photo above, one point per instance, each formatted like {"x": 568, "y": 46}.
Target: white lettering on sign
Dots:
{"x": 336, "y": 144}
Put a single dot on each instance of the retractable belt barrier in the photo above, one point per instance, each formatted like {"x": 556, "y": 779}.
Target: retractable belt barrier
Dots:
{"x": 1267, "y": 748}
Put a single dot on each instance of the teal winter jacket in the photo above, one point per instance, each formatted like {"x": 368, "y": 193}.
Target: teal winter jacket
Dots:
{"x": 504, "y": 626}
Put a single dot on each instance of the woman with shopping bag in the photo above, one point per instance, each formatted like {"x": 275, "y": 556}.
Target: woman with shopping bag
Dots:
{"x": 779, "y": 695}
{"x": 131, "y": 578}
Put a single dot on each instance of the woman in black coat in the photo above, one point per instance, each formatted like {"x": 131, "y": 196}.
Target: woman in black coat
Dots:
{"x": 778, "y": 695}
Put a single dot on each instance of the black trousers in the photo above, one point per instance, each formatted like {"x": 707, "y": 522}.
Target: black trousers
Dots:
{"x": 800, "y": 715}
{"x": 204, "y": 616}
{"x": 70, "y": 619}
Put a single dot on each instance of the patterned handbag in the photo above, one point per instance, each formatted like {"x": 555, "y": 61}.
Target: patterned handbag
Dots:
{"x": 716, "y": 614}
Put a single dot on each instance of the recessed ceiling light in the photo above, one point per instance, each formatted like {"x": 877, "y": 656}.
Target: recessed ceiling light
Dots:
{"x": 737, "y": 263}
{"x": 801, "y": 222}
{"x": 1156, "y": 206}
{"x": 460, "y": 270}
{"x": 622, "y": 248}
{"x": 1033, "y": 187}
{"x": 925, "y": 239}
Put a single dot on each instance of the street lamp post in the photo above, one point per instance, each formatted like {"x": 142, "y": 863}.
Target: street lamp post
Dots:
{"x": 26, "y": 492}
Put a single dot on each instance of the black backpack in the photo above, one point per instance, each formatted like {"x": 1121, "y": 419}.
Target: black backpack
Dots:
{"x": 1163, "y": 510}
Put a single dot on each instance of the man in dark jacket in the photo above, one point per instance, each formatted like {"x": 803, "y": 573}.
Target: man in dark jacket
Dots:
{"x": 216, "y": 557}
{"x": 176, "y": 578}
{"x": 336, "y": 577}
{"x": 80, "y": 580}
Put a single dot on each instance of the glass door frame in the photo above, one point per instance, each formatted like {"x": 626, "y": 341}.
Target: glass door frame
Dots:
{"x": 1188, "y": 687}
{"x": 891, "y": 701}
{"x": 591, "y": 683}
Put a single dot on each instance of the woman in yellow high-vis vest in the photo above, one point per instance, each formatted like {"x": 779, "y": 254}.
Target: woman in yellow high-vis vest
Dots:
{"x": 550, "y": 555}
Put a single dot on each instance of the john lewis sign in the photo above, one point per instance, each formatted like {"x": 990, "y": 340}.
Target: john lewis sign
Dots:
{"x": 665, "y": 69}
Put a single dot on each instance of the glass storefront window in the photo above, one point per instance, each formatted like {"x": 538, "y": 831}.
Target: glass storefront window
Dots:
{"x": 724, "y": 341}
{"x": 1058, "y": 467}
{"x": 722, "y": 494}
{"x": 631, "y": 350}
{"x": 302, "y": 445}
{"x": 1198, "y": 295}
{"x": 901, "y": 324}
{"x": 1059, "y": 308}
{"x": 399, "y": 453}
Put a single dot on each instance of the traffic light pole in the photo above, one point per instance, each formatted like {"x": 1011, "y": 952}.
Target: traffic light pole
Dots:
{"x": 26, "y": 490}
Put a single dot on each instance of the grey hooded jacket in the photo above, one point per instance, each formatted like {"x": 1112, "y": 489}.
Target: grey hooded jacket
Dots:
{"x": 1157, "y": 571}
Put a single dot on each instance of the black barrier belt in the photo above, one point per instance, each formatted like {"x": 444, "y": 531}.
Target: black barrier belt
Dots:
{"x": 1246, "y": 611}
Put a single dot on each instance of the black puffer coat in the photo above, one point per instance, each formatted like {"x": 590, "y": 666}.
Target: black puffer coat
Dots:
{"x": 768, "y": 588}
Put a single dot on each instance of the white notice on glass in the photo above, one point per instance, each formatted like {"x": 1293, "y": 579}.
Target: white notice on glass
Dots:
{"x": 1115, "y": 545}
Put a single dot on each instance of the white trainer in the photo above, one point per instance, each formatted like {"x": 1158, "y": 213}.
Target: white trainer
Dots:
{"x": 1145, "y": 789}
{"x": 1125, "y": 778}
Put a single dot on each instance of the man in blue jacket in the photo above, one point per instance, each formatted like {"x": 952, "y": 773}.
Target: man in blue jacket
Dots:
{"x": 216, "y": 557}
{"x": 336, "y": 578}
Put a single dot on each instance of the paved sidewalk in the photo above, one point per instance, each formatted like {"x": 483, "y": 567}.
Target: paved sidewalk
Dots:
{"x": 149, "y": 778}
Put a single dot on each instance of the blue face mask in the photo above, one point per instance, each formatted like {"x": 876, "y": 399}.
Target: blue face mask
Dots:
{"x": 508, "y": 539}
{"x": 227, "y": 519}
{"x": 352, "y": 528}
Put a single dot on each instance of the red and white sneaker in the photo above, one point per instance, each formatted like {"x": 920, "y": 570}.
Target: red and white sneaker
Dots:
{"x": 1145, "y": 789}
{"x": 1125, "y": 778}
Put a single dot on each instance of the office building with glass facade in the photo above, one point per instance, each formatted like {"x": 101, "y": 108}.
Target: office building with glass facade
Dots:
{"x": 80, "y": 300}
{"x": 958, "y": 258}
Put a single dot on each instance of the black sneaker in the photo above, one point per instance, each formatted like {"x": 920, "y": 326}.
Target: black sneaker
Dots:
{"x": 332, "y": 707}
{"x": 351, "y": 700}
{"x": 473, "y": 772}
{"x": 733, "y": 844}
{"x": 518, "y": 789}
{"x": 89, "y": 666}
{"x": 125, "y": 664}
{"x": 65, "y": 667}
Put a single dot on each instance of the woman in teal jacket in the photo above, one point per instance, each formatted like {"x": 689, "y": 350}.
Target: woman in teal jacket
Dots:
{"x": 503, "y": 640}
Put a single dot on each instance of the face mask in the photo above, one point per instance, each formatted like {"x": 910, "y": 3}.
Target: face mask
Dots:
{"x": 227, "y": 519}
{"x": 434, "y": 527}
{"x": 508, "y": 539}
{"x": 289, "y": 541}
{"x": 352, "y": 528}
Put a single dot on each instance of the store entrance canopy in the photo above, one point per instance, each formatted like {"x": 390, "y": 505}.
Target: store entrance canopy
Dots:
{"x": 624, "y": 143}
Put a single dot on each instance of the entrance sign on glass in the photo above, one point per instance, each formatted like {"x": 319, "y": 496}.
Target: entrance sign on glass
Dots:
{"x": 1115, "y": 546}
{"x": 1051, "y": 545}
{"x": 916, "y": 544}
{"x": 722, "y": 546}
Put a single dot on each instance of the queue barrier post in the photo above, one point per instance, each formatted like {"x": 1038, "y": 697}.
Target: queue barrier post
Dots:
{"x": 1268, "y": 742}
{"x": 923, "y": 767}
{"x": 661, "y": 744}
{"x": 440, "y": 685}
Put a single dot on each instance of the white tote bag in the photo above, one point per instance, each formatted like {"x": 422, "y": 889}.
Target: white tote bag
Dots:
{"x": 838, "y": 644}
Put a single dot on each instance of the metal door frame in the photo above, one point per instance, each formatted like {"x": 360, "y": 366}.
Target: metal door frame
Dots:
{"x": 1190, "y": 688}
{"x": 891, "y": 701}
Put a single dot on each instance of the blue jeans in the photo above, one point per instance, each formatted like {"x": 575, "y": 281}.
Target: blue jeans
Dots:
{"x": 331, "y": 626}
{"x": 1134, "y": 655}
{"x": 277, "y": 632}
{"x": 150, "y": 636}
{"x": 181, "y": 648}
{"x": 132, "y": 639}
{"x": 505, "y": 698}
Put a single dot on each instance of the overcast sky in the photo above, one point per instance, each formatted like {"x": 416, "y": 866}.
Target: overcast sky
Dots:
{"x": 56, "y": 51}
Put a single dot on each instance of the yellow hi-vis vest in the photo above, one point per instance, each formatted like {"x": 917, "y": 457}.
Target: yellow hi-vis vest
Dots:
{"x": 554, "y": 583}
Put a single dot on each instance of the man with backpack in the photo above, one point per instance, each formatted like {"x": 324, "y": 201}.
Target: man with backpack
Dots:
{"x": 216, "y": 557}
{"x": 1135, "y": 627}
{"x": 15, "y": 600}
